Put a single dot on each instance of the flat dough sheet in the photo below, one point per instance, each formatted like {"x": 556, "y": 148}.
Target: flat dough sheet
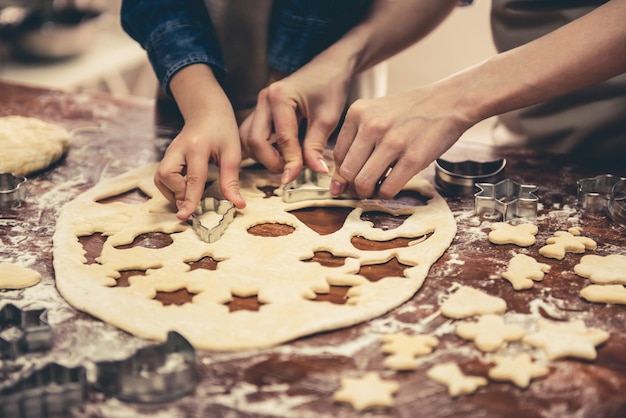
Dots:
{"x": 269, "y": 267}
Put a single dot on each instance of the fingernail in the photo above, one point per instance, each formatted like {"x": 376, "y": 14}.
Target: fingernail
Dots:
{"x": 179, "y": 203}
{"x": 286, "y": 177}
{"x": 337, "y": 188}
{"x": 323, "y": 163}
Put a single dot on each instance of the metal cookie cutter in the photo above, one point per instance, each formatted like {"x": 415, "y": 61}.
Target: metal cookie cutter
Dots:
{"x": 617, "y": 203}
{"x": 48, "y": 392}
{"x": 12, "y": 190}
{"x": 594, "y": 192}
{"x": 310, "y": 185}
{"x": 23, "y": 331}
{"x": 506, "y": 200}
{"x": 459, "y": 178}
{"x": 159, "y": 373}
{"x": 222, "y": 207}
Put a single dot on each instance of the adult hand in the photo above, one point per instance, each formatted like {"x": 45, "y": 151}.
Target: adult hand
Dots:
{"x": 182, "y": 173}
{"x": 270, "y": 135}
{"x": 404, "y": 132}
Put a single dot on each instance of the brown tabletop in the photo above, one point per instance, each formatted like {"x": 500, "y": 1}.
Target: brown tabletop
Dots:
{"x": 298, "y": 379}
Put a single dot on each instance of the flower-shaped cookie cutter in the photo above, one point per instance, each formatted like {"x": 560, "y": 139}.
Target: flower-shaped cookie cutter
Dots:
{"x": 459, "y": 178}
{"x": 51, "y": 391}
{"x": 158, "y": 373}
{"x": 506, "y": 200}
{"x": 310, "y": 185}
{"x": 12, "y": 190}
{"x": 222, "y": 207}
{"x": 23, "y": 331}
{"x": 594, "y": 192}
{"x": 617, "y": 203}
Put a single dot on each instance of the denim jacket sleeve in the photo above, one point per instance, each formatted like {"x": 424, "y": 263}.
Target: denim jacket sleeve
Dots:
{"x": 175, "y": 34}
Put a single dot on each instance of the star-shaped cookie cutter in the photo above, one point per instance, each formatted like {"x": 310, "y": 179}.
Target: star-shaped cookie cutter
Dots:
{"x": 594, "y": 192}
{"x": 158, "y": 373}
{"x": 12, "y": 190}
{"x": 222, "y": 207}
{"x": 33, "y": 331}
{"x": 506, "y": 200}
{"x": 310, "y": 185}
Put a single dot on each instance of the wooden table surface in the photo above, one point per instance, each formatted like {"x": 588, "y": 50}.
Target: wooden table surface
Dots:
{"x": 298, "y": 379}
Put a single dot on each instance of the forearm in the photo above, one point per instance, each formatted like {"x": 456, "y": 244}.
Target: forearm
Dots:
{"x": 389, "y": 27}
{"x": 584, "y": 52}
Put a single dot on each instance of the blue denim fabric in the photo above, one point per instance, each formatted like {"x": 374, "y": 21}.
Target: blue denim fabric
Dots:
{"x": 177, "y": 33}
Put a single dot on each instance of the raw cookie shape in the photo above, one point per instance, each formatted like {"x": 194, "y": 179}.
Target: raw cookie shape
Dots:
{"x": 404, "y": 348}
{"x": 13, "y": 276}
{"x": 272, "y": 268}
{"x": 366, "y": 392}
{"x": 30, "y": 144}
{"x": 612, "y": 294}
{"x": 522, "y": 235}
{"x": 450, "y": 375}
{"x": 467, "y": 302}
{"x": 563, "y": 242}
{"x": 519, "y": 370}
{"x": 523, "y": 269}
{"x": 566, "y": 339}
{"x": 610, "y": 269}
{"x": 490, "y": 332}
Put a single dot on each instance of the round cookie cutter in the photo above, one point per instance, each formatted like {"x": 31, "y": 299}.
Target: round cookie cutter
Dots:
{"x": 459, "y": 178}
{"x": 616, "y": 206}
{"x": 12, "y": 190}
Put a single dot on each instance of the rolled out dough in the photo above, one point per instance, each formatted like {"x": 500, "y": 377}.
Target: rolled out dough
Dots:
{"x": 271, "y": 268}
{"x": 30, "y": 144}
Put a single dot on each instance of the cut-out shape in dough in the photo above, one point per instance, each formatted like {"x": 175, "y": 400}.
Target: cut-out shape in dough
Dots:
{"x": 566, "y": 339}
{"x": 375, "y": 272}
{"x": 519, "y": 370}
{"x": 610, "y": 269}
{"x": 366, "y": 392}
{"x": 609, "y": 294}
{"x": 490, "y": 332}
{"x": 177, "y": 297}
{"x": 244, "y": 303}
{"x": 563, "y": 242}
{"x": 404, "y": 348}
{"x": 523, "y": 269}
{"x": 467, "y": 302}
{"x": 450, "y": 375}
{"x": 14, "y": 276}
{"x": 271, "y": 267}
{"x": 522, "y": 235}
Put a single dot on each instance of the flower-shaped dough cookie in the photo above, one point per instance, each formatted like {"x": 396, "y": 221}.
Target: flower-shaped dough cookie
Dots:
{"x": 610, "y": 269}
{"x": 450, "y": 374}
{"x": 522, "y": 235}
{"x": 490, "y": 332}
{"x": 568, "y": 339}
{"x": 563, "y": 242}
{"x": 404, "y": 348}
{"x": 468, "y": 301}
{"x": 523, "y": 270}
{"x": 519, "y": 369}
{"x": 366, "y": 392}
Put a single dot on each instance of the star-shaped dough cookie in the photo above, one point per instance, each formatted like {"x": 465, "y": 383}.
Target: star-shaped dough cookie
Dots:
{"x": 563, "y": 242}
{"x": 566, "y": 339}
{"x": 522, "y": 235}
{"x": 610, "y": 269}
{"x": 490, "y": 332}
{"x": 468, "y": 301}
{"x": 404, "y": 348}
{"x": 519, "y": 369}
{"x": 450, "y": 374}
{"x": 366, "y": 392}
{"x": 523, "y": 270}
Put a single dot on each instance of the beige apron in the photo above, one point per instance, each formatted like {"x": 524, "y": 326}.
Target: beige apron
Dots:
{"x": 589, "y": 122}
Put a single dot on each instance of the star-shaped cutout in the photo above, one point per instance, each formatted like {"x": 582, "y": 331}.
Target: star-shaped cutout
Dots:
{"x": 490, "y": 332}
{"x": 563, "y": 242}
{"x": 366, "y": 392}
{"x": 519, "y": 369}
{"x": 569, "y": 339}
{"x": 450, "y": 374}
{"x": 404, "y": 348}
